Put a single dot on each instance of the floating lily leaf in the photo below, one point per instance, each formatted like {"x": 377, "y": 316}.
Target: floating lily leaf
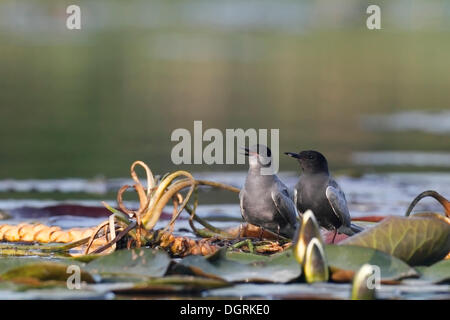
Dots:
{"x": 245, "y": 257}
{"x": 134, "y": 262}
{"x": 9, "y": 263}
{"x": 44, "y": 271}
{"x": 438, "y": 272}
{"x": 346, "y": 258}
{"x": 278, "y": 268}
{"x": 168, "y": 284}
{"x": 418, "y": 240}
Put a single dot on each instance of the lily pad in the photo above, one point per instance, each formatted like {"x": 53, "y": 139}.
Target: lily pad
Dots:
{"x": 280, "y": 268}
{"x": 421, "y": 239}
{"x": 134, "y": 262}
{"x": 168, "y": 284}
{"x": 9, "y": 263}
{"x": 438, "y": 272}
{"x": 245, "y": 257}
{"x": 44, "y": 271}
{"x": 350, "y": 258}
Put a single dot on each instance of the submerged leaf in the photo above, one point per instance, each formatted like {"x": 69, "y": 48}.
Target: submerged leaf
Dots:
{"x": 9, "y": 263}
{"x": 44, "y": 271}
{"x": 349, "y": 259}
{"x": 134, "y": 262}
{"x": 168, "y": 284}
{"x": 239, "y": 268}
{"x": 438, "y": 272}
{"x": 420, "y": 239}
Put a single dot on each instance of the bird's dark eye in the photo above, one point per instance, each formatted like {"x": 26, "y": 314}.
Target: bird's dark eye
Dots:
{"x": 311, "y": 156}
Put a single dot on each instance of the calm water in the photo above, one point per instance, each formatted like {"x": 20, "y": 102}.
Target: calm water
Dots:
{"x": 78, "y": 107}
{"x": 87, "y": 103}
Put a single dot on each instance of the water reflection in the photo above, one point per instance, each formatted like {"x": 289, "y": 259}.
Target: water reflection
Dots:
{"x": 429, "y": 122}
{"x": 398, "y": 158}
{"x": 370, "y": 194}
{"x": 88, "y": 103}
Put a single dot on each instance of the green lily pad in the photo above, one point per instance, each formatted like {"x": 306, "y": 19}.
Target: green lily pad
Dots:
{"x": 438, "y": 272}
{"x": 134, "y": 262}
{"x": 245, "y": 257}
{"x": 351, "y": 258}
{"x": 9, "y": 263}
{"x": 168, "y": 284}
{"x": 43, "y": 271}
{"x": 279, "y": 268}
{"x": 421, "y": 239}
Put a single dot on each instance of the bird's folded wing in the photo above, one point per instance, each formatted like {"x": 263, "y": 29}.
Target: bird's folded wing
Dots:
{"x": 337, "y": 200}
{"x": 285, "y": 207}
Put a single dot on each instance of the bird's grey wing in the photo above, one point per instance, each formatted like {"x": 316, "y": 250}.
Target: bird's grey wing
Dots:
{"x": 283, "y": 188}
{"x": 336, "y": 198}
{"x": 285, "y": 207}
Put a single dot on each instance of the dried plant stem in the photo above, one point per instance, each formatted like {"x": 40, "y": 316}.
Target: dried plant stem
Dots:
{"x": 430, "y": 193}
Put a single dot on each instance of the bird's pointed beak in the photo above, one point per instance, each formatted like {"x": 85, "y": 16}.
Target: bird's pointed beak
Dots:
{"x": 246, "y": 152}
{"x": 293, "y": 155}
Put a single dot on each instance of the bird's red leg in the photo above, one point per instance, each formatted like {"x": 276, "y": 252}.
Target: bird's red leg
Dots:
{"x": 334, "y": 237}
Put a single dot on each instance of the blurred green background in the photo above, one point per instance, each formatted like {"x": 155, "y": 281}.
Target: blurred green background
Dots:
{"x": 90, "y": 102}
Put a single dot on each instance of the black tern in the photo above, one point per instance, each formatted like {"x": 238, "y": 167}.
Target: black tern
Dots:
{"x": 318, "y": 191}
{"x": 265, "y": 200}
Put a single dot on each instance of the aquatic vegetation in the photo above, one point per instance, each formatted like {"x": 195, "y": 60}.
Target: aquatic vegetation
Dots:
{"x": 430, "y": 193}
{"x": 423, "y": 238}
{"x": 360, "y": 288}
{"x": 38, "y": 232}
{"x": 244, "y": 267}
{"x": 346, "y": 260}
{"x": 127, "y": 253}
{"x": 308, "y": 230}
{"x": 315, "y": 262}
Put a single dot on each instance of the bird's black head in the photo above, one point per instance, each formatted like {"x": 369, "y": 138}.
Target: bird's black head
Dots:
{"x": 311, "y": 161}
{"x": 259, "y": 154}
